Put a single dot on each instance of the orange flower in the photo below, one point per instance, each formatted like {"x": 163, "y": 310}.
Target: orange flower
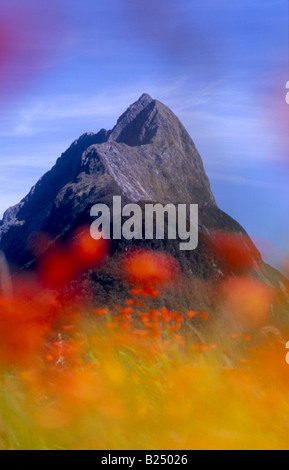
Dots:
{"x": 99, "y": 312}
{"x": 166, "y": 315}
{"x": 87, "y": 252}
{"x": 67, "y": 328}
{"x": 150, "y": 292}
{"x": 234, "y": 250}
{"x": 136, "y": 292}
{"x": 57, "y": 267}
{"x": 204, "y": 315}
{"x": 247, "y": 338}
{"x": 177, "y": 318}
{"x": 125, "y": 325}
{"x": 126, "y": 311}
{"x": 174, "y": 328}
{"x": 191, "y": 314}
{"x": 150, "y": 268}
{"x": 155, "y": 314}
{"x": 140, "y": 334}
{"x": 130, "y": 302}
{"x": 64, "y": 351}
{"x": 248, "y": 300}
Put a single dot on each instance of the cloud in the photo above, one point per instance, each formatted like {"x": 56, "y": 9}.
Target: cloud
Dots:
{"x": 51, "y": 114}
{"x": 217, "y": 114}
{"x": 236, "y": 179}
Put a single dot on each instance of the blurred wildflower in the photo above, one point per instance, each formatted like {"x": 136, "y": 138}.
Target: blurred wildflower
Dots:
{"x": 149, "y": 268}
{"x": 249, "y": 301}
{"x": 86, "y": 252}
{"x": 190, "y": 314}
{"x": 234, "y": 251}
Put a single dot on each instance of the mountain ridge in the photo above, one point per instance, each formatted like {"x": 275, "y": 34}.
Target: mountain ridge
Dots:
{"x": 142, "y": 158}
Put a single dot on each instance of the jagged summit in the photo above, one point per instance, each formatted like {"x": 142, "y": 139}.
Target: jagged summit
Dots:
{"x": 148, "y": 153}
{"x": 145, "y": 97}
{"x": 134, "y": 109}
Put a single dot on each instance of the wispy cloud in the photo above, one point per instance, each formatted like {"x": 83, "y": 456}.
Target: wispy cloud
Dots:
{"x": 53, "y": 113}
{"x": 239, "y": 180}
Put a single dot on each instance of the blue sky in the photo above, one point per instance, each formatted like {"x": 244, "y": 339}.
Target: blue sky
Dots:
{"x": 221, "y": 66}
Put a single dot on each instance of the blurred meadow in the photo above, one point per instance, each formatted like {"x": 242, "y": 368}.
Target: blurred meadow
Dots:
{"x": 137, "y": 376}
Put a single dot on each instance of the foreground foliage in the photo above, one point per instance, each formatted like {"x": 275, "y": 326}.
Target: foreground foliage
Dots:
{"x": 136, "y": 377}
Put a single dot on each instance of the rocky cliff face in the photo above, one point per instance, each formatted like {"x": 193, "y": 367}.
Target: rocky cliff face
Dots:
{"x": 148, "y": 156}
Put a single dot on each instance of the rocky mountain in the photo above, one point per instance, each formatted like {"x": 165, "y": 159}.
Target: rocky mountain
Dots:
{"x": 147, "y": 156}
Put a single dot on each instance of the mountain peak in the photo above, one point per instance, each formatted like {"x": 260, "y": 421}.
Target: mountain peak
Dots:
{"x": 145, "y": 97}
{"x": 130, "y": 115}
{"x": 148, "y": 121}
{"x": 148, "y": 156}
{"x": 137, "y": 107}
{"x": 148, "y": 153}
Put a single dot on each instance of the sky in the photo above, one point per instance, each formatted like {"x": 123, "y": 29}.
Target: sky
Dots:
{"x": 68, "y": 67}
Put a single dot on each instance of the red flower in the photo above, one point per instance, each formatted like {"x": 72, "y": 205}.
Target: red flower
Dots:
{"x": 136, "y": 292}
{"x": 99, "y": 312}
{"x": 191, "y": 314}
{"x": 57, "y": 267}
{"x": 87, "y": 252}
{"x": 204, "y": 315}
{"x": 248, "y": 300}
{"x": 61, "y": 264}
{"x": 150, "y": 268}
{"x": 126, "y": 312}
{"x": 233, "y": 250}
